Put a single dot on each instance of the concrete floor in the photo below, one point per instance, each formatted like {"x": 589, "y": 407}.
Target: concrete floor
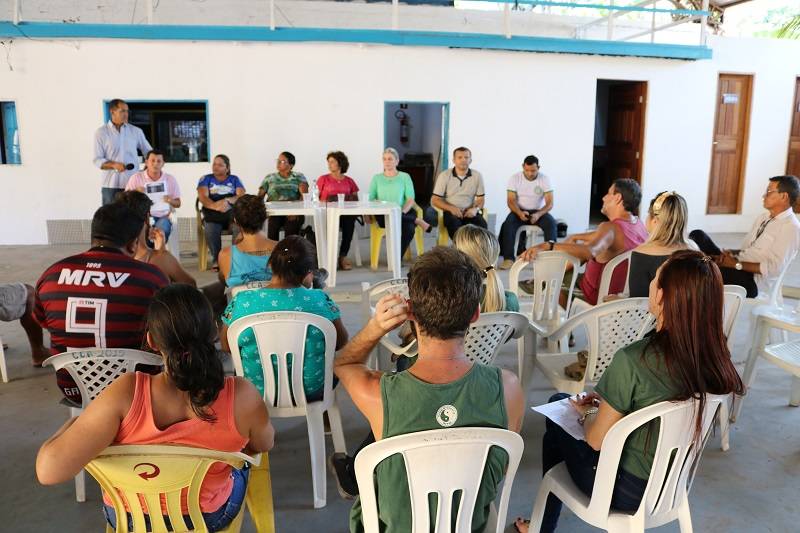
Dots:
{"x": 751, "y": 488}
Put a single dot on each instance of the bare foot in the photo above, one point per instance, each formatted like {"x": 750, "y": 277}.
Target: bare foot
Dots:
{"x": 522, "y": 525}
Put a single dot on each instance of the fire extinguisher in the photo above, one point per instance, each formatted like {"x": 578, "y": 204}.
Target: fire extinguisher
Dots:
{"x": 403, "y": 118}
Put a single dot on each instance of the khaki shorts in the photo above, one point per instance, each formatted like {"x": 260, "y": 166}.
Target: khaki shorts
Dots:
{"x": 13, "y": 300}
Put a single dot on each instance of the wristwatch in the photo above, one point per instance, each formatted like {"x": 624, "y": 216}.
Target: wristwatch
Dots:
{"x": 589, "y": 411}
{"x": 738, "y": 265}
{"x": 552, "y": 244}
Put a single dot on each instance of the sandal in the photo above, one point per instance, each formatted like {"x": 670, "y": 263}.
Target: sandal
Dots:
{"x": 345, "y": 264}
{"x": 525, "y": 522}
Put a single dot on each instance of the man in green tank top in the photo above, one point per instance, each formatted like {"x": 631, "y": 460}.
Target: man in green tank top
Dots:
{"x": 442, "y": 389}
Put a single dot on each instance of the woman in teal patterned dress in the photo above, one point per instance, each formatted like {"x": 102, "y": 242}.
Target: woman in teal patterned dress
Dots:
{"x": 292, "y": 262}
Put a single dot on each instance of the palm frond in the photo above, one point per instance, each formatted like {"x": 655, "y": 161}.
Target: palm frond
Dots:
{"x": 790, "y": 30}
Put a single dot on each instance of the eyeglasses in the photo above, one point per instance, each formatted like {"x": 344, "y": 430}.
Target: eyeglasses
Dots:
{"x": 770, "y": 191}
{"x": 281, "y": 161}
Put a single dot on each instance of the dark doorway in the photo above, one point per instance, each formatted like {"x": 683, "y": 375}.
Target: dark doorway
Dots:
{"x": 618, "y": 137}
{"x": 418, "y": 131}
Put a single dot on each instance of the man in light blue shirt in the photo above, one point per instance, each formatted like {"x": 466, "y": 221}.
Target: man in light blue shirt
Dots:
{"x": 115, "y": 145}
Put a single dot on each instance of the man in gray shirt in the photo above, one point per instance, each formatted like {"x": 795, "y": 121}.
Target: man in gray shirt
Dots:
{"x": 115, "y": 146}
{"x": 458, "y": 192}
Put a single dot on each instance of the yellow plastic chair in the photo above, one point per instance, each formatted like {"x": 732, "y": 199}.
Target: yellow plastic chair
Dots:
{"x": 202, "y": 245}
{"x": 377, "y": 233}
{"x": 444, "y": 236}
{"x": 152, "y": 473}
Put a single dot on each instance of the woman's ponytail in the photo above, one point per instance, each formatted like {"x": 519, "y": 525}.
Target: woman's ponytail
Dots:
{"x": 181, "y": 323}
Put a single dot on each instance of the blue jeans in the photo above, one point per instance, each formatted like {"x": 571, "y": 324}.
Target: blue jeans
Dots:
{"x": 165, "y": 225}
{"x": 214, "y": 236}
{"x": 219, "y": 519}
{"x": 581, "y": 460}
{"x": 108, "y": 193}
{"x": 508, "y": 231}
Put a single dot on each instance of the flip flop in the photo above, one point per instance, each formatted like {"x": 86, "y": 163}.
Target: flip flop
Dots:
{"x": 515, "y": 524}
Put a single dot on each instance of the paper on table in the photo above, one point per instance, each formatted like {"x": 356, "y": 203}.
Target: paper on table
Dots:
{"x": 563, "y": 414}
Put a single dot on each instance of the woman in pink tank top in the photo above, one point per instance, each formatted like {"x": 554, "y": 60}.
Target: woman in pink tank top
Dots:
{"x": 191, "y": 403}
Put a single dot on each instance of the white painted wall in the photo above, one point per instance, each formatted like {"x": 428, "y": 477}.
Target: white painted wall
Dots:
{"x": 310, "y": 98}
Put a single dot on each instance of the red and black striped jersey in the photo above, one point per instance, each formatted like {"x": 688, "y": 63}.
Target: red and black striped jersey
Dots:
{"x": 98, "y": 298}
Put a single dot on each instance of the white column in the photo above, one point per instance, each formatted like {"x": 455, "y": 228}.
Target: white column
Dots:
{"x": 395, "y": 14}
{"x": 16, "y": 15}
{"x": 149, "y": 8}
{"x": 610, "y": 32}
{"x": 272, "y": 14}
{"x": 653, "y": 23}
{"x": 507, "y": 20}
{"x": 704, "y": 25}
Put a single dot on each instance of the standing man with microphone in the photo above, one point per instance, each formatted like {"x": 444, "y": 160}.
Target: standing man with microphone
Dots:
{"x": 115, "y": 146}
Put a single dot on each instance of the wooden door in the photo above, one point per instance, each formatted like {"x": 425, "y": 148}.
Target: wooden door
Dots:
{"x": 729, "y": 148}
{"x": 625, "y": 130}
{"x": 793, "y": 161}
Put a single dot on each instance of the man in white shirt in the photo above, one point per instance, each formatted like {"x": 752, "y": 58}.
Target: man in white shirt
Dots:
{"x": 529, "y": 196}
{"x": 115, "y": 146}
{"x": 160, "y": 187}
{"x": 773, "y": 241}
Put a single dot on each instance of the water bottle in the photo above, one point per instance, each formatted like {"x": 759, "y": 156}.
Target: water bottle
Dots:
{"x": 314, "y": 192}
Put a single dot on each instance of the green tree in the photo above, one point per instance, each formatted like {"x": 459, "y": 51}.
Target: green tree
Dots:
{"x": 790, "y": 29}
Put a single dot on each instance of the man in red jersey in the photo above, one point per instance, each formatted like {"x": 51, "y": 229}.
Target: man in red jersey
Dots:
{"x": 98, "y": 298}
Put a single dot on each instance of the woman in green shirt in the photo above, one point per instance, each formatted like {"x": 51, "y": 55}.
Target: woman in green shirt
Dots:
{"x": 686, "y": 357}
{"x": 292, "y": 262}
{"x": 396, "y": 187}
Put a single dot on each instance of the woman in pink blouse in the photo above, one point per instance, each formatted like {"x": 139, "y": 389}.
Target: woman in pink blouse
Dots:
{"x": 332, "y": 184}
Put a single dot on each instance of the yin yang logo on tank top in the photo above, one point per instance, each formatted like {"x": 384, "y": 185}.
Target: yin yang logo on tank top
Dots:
{"x": 446, "y": 416}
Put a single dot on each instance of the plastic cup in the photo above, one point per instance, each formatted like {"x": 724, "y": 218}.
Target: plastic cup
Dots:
{"x": 362, "y": 198}
{"x": 306, "y": 199}
{"x": 340, "y": 199}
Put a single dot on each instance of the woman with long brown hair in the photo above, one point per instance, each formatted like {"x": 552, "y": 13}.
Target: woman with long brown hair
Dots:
{"x": 685, "y": 357}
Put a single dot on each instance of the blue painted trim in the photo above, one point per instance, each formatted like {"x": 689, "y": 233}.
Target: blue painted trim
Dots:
{"x": 48, "y": 30}
{"x": 695, "y": 12}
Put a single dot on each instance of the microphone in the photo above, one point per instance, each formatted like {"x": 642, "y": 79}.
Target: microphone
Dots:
{"x": 129, "y": 166}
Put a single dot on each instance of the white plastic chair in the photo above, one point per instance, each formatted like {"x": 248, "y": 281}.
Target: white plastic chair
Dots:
{"x": 249, "y": 286}
{"x": 92, "y": 370}
{"x": 666, "y": 496}
{"x": 609, "y": 327}
{"x": 611, "y": 266}
{"x": 532, "y": 234}
{"x": 734, "y": 297}
{"x": 769, "y": 302}
{"x": 280, "y": 334}
{"x": 787, "y": 357}
{"x": 440, "y": 461}
{"x": 174, "y": 242}
{"x": 487, "y": 335}
{"x": 605, "y": 281}
{"x": 370, "y": 294}
{"x": 549, "y": 270}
